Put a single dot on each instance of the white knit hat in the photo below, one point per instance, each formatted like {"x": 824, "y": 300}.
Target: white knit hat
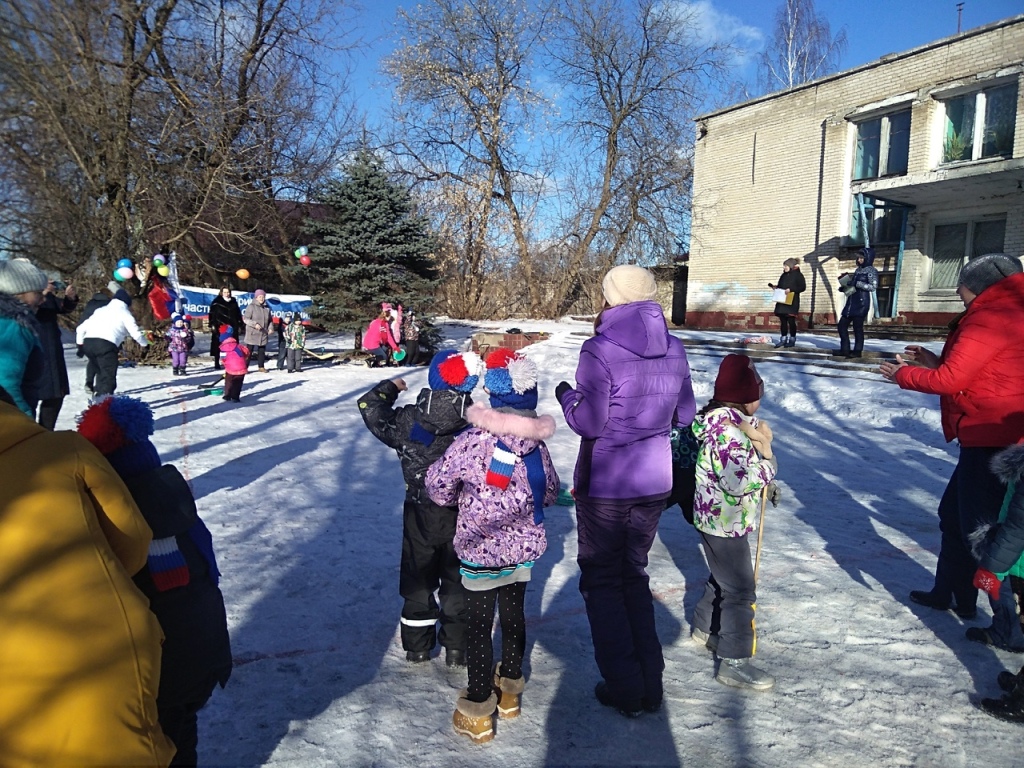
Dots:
{"x": 628, "y": 283}
{"x": 21, "y": 276}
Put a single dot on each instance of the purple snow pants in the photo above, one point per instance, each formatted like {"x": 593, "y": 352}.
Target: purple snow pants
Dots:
{"x": 179, "y": 359}
{"x": 614, "y": 540}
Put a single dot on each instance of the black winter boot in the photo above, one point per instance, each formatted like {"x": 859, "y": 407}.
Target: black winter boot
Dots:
{"x": 1010, "y": 707}
{"x": 790, "y": 342}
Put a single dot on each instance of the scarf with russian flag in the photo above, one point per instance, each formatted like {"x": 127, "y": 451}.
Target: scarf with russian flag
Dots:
{"x": 167, "y": 564}
{"x": 503, "y": 463}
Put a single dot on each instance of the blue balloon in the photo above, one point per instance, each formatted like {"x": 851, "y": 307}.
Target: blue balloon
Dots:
{"x": 124, "y": 263}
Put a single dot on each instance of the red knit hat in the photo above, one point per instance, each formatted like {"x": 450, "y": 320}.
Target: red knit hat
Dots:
{"x": 738, "y": 381}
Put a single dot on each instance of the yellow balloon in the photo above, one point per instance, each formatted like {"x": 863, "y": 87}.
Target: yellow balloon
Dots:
{"x": 242, "y": 274}
{"x": 163, "y": 270}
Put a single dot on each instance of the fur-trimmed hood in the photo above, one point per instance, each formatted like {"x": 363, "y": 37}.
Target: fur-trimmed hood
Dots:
{"x": 1008, "y": 465}
{"x": 502, "y": 423}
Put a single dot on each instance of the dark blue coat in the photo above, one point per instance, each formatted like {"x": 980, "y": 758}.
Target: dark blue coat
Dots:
{"x": 865, "y": 281}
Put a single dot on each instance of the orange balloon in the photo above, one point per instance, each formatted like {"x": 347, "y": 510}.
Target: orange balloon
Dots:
{"x": 242, "y": 274}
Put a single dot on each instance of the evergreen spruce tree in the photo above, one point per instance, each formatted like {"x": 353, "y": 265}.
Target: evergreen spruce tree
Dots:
{"x": 373, "y": 248}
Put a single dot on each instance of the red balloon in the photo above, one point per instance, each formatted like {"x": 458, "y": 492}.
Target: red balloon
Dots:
{"x": 305, "y": 261}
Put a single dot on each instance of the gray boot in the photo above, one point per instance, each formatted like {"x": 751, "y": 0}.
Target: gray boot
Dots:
{"x": 705, "y": 639}
{"x": 782, "y": 342}
{"x": 740, "y": 673}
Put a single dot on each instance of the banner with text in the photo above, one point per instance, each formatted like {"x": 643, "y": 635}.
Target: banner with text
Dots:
{"x": 195, "y": 302}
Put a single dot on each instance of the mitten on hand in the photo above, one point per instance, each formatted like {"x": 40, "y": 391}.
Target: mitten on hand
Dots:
{"x": 774, "y": 494}
{"x": 80, "y": 352}
{"x": 561, "y": 389}
{"x": 774, "y": 462}
{"x": 987, "y": 581}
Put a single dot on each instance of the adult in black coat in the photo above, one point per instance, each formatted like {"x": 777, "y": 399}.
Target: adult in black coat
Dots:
{"x": 224, "y": 310}
{"x": 421, "y": 433}
{"x": 99, "y": 299}
{"x": 54, "y": 386}
{"x": 791, "y": 281}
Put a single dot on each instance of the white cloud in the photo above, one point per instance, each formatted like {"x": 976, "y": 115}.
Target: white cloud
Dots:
{"x": 718, "y": 26}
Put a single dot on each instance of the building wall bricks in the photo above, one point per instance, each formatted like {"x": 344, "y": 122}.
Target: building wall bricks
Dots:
{"x": 772, "y": 180}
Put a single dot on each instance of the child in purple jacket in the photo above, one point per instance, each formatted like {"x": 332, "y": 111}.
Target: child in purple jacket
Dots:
{"x": 500, "y": 474}
{"x": 180, "y": 339}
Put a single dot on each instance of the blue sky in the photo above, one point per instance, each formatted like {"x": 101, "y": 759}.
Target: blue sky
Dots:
{"x": 873, "y": 27}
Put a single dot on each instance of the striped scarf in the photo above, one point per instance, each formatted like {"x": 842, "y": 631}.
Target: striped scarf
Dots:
{"x": 503, "y": 464}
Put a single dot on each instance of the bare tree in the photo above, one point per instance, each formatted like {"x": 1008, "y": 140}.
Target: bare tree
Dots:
{"x": 131, "y": 125}
{"x": 463, "y": 108}
{"x": 801, "y": 49}
{"x": 634, "y": 75}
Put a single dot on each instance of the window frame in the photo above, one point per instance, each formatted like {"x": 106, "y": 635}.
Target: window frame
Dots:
{"x": 980, "y": 98}
{"x": 969, "y": 245}
{"x": 884, "y": 143}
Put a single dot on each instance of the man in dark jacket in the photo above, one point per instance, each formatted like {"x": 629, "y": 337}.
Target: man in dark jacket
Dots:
{"x": 224, "y": 310}
{"x": 858, "y": 288}
{"x": 54, "y": 386}
{"x": 421, "y": 433}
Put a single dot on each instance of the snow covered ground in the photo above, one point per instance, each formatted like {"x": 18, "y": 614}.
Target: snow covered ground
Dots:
{"x": 305, "y": 509}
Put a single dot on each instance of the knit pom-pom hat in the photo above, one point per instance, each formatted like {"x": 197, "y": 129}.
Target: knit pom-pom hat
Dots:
{"x": 511, "y": 380}
{"x": 226, "y": 332}
{"x": 458, "y": 371}
{"x": 119, "y": 427}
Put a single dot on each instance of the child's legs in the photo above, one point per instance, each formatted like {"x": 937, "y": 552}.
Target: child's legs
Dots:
{"x": 178, "y": 358}
{"x": 232, "y": 386}
{"x": 512, "y": 615}
{"x": 418, "y": 578}
{"x": 452, "y": 596}
{"x": 707, "y": 616}
{"x": 294, "y": 359}
{"x": 729, "y": 560}
{"x": 479, "y": 653}
{"x": 283, "y": 353}
{"x": 179, "y": 721}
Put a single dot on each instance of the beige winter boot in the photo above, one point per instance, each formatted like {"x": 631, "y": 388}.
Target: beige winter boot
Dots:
{"x": 475, "y": 719}
{"x": 510, "y": 694}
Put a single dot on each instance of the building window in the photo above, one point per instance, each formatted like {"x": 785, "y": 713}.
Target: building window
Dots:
{"x": 883, "y": 146}
{"x": 980, "y": 124}
{"x": 886, "y": 223}
{"x": 953, "y": 244}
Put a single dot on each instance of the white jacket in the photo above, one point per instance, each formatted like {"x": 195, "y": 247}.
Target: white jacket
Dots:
{"x": 111, "y": 322}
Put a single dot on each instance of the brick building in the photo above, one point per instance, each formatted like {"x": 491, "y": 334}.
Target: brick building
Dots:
{"x": 920, "y": 154}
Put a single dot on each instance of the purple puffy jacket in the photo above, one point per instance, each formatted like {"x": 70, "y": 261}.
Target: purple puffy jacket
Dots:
{"x": 632, "y": 384}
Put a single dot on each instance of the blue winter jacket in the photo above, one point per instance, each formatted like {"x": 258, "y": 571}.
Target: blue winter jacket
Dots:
{"x": 632, "y": 384}
{"x": 865, "y": 280}
{"x": 22, "y": 362}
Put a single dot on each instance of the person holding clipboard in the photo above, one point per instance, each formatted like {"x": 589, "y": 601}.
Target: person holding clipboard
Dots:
{"x": 787, "y": 300}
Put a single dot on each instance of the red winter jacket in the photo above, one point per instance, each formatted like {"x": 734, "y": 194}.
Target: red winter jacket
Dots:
{"x": 980, "y": 378}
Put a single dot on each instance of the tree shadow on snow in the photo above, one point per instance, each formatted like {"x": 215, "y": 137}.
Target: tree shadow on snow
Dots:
{"x": 317, "y": 631}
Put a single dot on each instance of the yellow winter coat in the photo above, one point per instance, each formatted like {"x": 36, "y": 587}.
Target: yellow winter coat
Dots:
{"x": 79, "y": 647}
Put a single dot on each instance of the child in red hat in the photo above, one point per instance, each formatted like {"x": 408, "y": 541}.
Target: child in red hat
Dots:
{"x": 735, "y": 465}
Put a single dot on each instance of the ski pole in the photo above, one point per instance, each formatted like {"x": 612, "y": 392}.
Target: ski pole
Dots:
{"x": 760, "y": 532}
